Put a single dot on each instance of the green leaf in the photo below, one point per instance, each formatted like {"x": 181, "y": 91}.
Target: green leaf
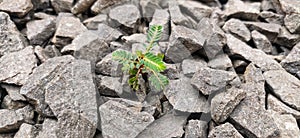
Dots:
{"x": 154, "y": 33}
{"x": 160, "y": 55}
{"x": 158, "y": 81}
{"x": 153, "y": 62}
{"x": 123, "y": 57}
{"x": 134, "y": 83}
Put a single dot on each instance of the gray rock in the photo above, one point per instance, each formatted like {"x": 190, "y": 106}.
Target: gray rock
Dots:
{"x": 176, "y": 16}
{"x": 169, "y": 125}
{"x": 275, "y": 105}
{"x": 287, "y": 125}
{"x": 109, "y": 86}
{"x": 291, "y": 62}
{"x": 62, "y": 5}
{"x": 107, "y": 66}
{"x": 196, "y": 129}
{"x": 285, "y": 38}
{"x": 191, "y": 66}
{"x": 121, "y": 120}
{"x": 267, "y": 5}
{"x": 183, "y": 42}
{"x": 93, "y": 22}
{"x": 13, "y": 92}
{"x": 107, "y": 33}
{"x": 39, "y": 31}
{"x": 214, "y": 35}
{"x": 209, "y": 80}
{"x": 12, "y": 119}
{"x": 126, "y": 15}
{"x": 49, "y": 129}
{"x": 26, "y": 131}
{"x": 82, "y": 6}
{"x": 7, "y": 135}
{"x": 291, "y": 21}
{"x": 289, "y": 6}
{"x": 135, "y": 38}
{"x": 258, "y": 57}
{"x": 238, "y": 29}
{"x": 195, "y": 9}
{"x": 285, "y": 86}
{"x": 162, "y": 17}
{"x": 68, "y": 27}
{"x": 148, "y": 7}
{"x": 261, "y": 42}
{"x": 100, "y": 5}
{"x": 42, "y": 54}
{"x": 172, "y": 71}
{"x": 8, "y": 103}
{"x": 272, "y": 17}
{"x": 224, "y": 131}
{"x": 270, "y": 30}
{"x": 184, "y": 97}
{"x": 17, "y": 66}
{"x": 221, "y": 62}
{"x": 88, "y": 46}
{"x": 224, "y": 103}
{"x": 11, "y": 39}
{"x": 42, "y": 15}
{"x": 17, "y": 7}
{"x": 239, "y": 9}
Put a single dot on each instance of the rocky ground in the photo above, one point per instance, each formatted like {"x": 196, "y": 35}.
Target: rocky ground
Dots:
{"x": 234, "y": 69}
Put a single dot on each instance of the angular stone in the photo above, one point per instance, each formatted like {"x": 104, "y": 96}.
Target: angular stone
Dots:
{"x": 126, "y": 15}
{"x": 221, "y": 61}
{"x": 8, "y": 103}
{"x": 162, "y": 17}
{"x": 17, "y": 7}
{"x": 195, "y": 9}
{"x": 100, "y": 5}
{"x": 183, "y": 42}
{"x": 270, "y": 30}
{"x": 238, "y": 29}
{"x": 82, "y": 6}
{"x": 285, "y": 38}
{"x": 285, "y": 86}
{"x": 196, "y": 129}
{"x": 290, "y": 6}
{"x": 49, "y": 129}
{"x": 109, "y": 86}
{"x": 172, "y": 71}
{"x": 108, "y": 33}
{"x": 62, "y": 5}
{"x": 184, "y": 97}
{"x": 267, "y": 5}
{"x": 287, "y": 125}
{"x": 291, "y": 21}
{"x": 88, "y": 46}
{"x": 121, "y": 120}
{"x": 275, "y": 105}
{"x": 272, "y": 17}
{"x": 292, "y": 62}
{"x": 258, "y": 57}
{"x": 17, "y": 66}
{"x": 7, "y": 135}
{"x": 176, "y": 16}
{"x": 107, "y": 66}
{"x": 224, "y": 131}
{"x": 169, "y": 125}
{"x": 11, "y": 39}
{"x": 12, "y": 120}
{"x": 26, "y": 131}
{"x": 68, "y": 27}
{"x": 39, "y": 31}
{"x": 13, "y": 92}
{"x": 148, "y": 7}
{"x": 93, "y": 22}
{"x": 261, "y": 42}
{"x": 191, "y": 66}
{"x": 239, "y": 9}
{"x": 224, "y": 103}
{"x": 214, "y": 35}
{"x": 209, "y": 80}
{"x": 135, "y": 38}
{"x": 46, "y": 53}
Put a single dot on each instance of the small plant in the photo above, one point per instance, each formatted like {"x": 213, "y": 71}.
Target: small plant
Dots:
{"x": 144, "y": 63}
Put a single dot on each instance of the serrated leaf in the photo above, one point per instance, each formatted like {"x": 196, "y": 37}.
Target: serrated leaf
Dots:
{"x": 153, "y": 62}
{"x": 158, "y": 81}
{"x": 154, "y": 33}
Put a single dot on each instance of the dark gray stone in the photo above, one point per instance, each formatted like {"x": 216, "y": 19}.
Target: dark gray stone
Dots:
{"x": 209, "y": 80}
{"x": 224, "y": 131}
{"x": 162, "y": 17}
{"x": 291, "y": 21}
{"x": 8, "y": 103}
{"x": 239, "y": 9}
{"x": 93, "y": 22}
{"x": 183, "y": 42}
{"x": 46, "y": 53}
{"x": 100, "y": 5}
{"x": 177, "y": 17}
{"x": 13, "y": 92}
{"x": 67, "y": 28}
{"x": 285, "y": 86}
{"x": 184, "y": 97}
{"x": 119, "y": 119}
{"x": 221, "y": 61}
{"x": 195, "y": 9}
{"x": 196, "y": 129}
{"x": 191, "y": 66}
{"x": 11, "y": 39}
{"x": 82, "y": 6}
{"x": 107, "y": 66}
{"x": 224, "y": 103}
{"x": 172, "y": 71}
{"x": 108, "y": 33}
{"x": 126, "y": 15}
{"x": 17, "y": 7}
{"x": 62, "y": 5}
{"x": 109, "y": 86}
{"x": 169, "y": 125}
{"x": 272, "y": 17}
{"x": 238, "y": 29}
{"x": 148, "y": 7}
{"x": 39, "y": 31}
{"x": 261, "y": 42}
{"x": 258, "y": 57}
{"x": 286, "y": 39}
{"x": 292, "y": 62}
{"x": 275, "y": 105}
{"x": 17, "y": 66}
{"x": 270, "y": 30}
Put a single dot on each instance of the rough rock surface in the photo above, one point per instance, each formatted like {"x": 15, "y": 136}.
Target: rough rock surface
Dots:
{"x": 100, "y": 5}
{"x": 17, "y": 7}
{"x": 109, "y": 86}
{"x": 13, "y": 92}
{"x": 224, "y": 131}
{"x": 17, "y": 66}
{"x": 292, "y": 62}
{"x": 270, "y": 30}
{"x": 221, "y": 61}
{"x": 275, "y": 105}
{"x": 39, "y": 31}
{"x": 26, "y": 130}
{"x": 176, "y": 15}
{"x": 195, "y": 9}
{"x": 107, "y": 66}
{"x": 261, "y": 42}
{"x": 191, "y": 66}
{"x": 287, "y": 125}
{"x": 239, "y": 9}
{"x": 196, "y": 128}
{"x": 126, "y": 15}
{"x": 8, "y": 103}
{"x": 162, "y": 17}
{"x": 62, "y": 5}
{"x": 292, "y": 22}
{"x": 238, "y": 29}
